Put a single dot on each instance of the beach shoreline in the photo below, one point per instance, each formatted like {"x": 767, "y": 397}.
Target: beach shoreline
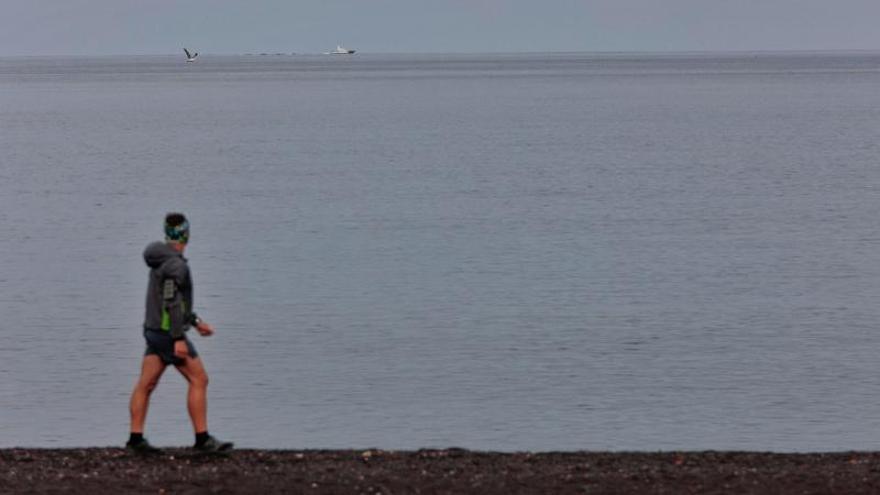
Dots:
{"x": 430, "y": 471}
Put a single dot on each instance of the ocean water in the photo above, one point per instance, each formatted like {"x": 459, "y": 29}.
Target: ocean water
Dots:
{"x": 496, "y": 252}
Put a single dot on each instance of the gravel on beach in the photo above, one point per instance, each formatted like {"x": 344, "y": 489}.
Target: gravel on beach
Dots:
{"x": 113, "y": 470}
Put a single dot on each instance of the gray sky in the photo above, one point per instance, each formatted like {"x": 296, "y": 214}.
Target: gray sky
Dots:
{"x": 86, "y": 27}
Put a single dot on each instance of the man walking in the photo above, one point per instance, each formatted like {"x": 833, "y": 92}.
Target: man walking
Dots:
{"x": 169, "y": 315}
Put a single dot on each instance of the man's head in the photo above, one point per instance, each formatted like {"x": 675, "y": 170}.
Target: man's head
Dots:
{"x": 176, "y": 228}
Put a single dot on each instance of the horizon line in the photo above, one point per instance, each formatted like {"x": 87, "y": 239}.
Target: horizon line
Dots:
{"x": 522, "y": 52}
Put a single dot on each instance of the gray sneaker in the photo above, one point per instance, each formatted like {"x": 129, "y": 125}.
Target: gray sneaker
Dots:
{"x": 214, "y": 445}
{"x": 142, "y": 447}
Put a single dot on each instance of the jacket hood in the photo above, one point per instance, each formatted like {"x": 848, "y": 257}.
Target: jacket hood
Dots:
{"x": 159, "y": 252}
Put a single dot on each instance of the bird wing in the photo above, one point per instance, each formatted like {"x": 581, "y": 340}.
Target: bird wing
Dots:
{"x": 187, "y": 53}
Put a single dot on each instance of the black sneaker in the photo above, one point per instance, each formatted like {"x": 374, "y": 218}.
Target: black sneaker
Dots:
{"x": 142, "y": 447}
{"x": 214, "y": 445}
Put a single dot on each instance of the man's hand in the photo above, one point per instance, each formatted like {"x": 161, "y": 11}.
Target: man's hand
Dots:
{"x": 204, "y": 329}
{"x": 180, "y": 349}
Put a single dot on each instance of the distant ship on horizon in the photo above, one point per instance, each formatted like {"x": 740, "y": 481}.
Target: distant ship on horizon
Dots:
{"x": 341, "y": 51}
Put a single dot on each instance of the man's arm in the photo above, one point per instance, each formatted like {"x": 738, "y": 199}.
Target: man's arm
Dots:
{"x": 172, "y": 307}
{"x": 176, "y": 273}
{"x": 180, "y": 313}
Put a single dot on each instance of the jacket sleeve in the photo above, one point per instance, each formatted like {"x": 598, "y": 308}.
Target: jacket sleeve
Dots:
{"x": 176, "y": 277}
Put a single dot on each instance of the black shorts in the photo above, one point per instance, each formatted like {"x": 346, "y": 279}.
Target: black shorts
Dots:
{"x": 160, "y": 343}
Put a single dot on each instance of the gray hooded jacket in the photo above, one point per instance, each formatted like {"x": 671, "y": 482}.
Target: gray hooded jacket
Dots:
{"x": 170, "y": 291}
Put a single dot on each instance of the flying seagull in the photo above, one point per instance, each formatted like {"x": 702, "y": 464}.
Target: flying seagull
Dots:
{"x": 190, "y": 57}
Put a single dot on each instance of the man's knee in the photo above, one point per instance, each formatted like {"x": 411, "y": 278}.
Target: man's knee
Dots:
{"x": 199, "y": 380}
{"x": 149, "y": 385}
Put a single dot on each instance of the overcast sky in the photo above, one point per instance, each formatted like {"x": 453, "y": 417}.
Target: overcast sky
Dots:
{"x": 98, "y": 27}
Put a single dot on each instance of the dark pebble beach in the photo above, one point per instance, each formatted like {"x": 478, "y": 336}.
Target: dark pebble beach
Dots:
{"x": 113, "y": 470}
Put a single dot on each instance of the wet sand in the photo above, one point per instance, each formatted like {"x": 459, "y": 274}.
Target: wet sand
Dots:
{"x": 111, "y": 470}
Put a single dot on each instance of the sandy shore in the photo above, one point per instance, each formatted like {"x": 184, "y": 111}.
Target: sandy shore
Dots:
{"x": 111, "y": 470}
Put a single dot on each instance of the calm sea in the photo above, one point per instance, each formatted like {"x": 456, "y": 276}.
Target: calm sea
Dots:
{"x": 504, "y": 252}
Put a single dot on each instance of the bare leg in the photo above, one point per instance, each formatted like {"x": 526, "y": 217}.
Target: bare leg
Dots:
{"x": 151, "y": 370}
{"x": 197, "y": 397}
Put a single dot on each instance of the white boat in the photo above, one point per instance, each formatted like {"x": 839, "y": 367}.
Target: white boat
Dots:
{"x": 190, "y": 57}
{"x": 340, "y": 51}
